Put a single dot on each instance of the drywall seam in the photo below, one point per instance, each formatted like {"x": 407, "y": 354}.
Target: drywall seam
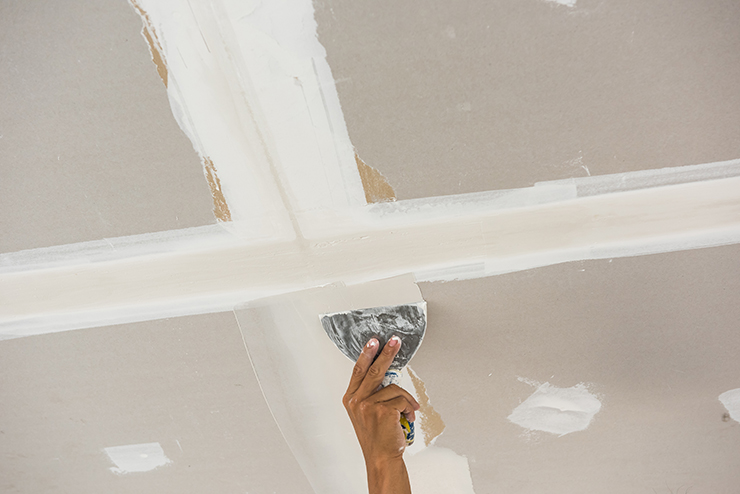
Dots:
{"x": 396, "y": 214}
{"x": 302, "y": 375}
{"x": 253, "y": 91}
{"x": 660, "y": 219}
{"x": 212, "y": 110}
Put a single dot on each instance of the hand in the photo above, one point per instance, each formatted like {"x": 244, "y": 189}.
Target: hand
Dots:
{"x": 375, "y": 415}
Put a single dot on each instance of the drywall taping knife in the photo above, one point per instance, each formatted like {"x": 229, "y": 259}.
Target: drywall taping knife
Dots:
{"x": 351, "y": 330}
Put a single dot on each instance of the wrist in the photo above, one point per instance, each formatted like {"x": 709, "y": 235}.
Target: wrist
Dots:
{"x": 383, "y": 464}
{"x": 387, "y": 476}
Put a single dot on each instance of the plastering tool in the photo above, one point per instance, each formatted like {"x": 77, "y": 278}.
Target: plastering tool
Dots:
{"x": 351, "y": 330}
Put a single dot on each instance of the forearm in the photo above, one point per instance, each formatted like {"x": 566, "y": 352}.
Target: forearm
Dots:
{"x": 388, "y": 477}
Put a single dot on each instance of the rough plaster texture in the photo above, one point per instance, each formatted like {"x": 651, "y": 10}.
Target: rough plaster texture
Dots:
{"x": 453, "y": 97}
{"x": 88, "y": 145}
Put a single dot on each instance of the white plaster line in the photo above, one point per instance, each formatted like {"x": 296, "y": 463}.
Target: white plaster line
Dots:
{"x": 110, "y": 249}
{"x": 661, "y": 219}
{"x": 317, "y": 223}
{"x": 250, "y": 85}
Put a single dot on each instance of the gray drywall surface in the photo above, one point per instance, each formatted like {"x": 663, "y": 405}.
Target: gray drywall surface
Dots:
{"x": 88, "y": 145}
{"x": 454, "y": 97}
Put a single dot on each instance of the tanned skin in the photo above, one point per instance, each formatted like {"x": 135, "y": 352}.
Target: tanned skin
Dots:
{"x": 375, "y": 415}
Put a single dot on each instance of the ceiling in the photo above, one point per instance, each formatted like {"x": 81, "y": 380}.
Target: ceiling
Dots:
{"x": 442, "y": 98}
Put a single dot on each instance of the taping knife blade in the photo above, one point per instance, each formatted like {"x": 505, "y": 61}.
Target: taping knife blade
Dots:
{"x": 351, "y": 330}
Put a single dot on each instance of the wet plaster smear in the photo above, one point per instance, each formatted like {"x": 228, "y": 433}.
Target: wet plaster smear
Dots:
{"x": 248, "y": 83}
{"x": 557, "y": 410}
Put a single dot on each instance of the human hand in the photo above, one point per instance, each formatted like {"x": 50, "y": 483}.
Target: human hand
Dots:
{"x": 375, "y": 413}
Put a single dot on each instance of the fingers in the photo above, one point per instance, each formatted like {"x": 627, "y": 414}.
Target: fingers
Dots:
{"x": 362, "y": 365}
{"x": 404, "y": 406}
{"x": 376, "y": 372}
{"x": 390, "y": 392}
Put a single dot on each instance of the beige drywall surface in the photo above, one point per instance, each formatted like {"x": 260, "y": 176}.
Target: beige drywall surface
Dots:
{"x": 88, "y": 145}
{"x": 185, "y": 383}
{"x": 654, "y": 337}
{"x": 453, "y": 97}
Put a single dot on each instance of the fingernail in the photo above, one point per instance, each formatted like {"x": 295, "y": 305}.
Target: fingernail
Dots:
{"x": 372, "y": 343}
{"x": 395, "y": 340}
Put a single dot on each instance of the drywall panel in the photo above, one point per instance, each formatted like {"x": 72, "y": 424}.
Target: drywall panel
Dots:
{"x": 654, "y": 339}
{"x": 80, "y": 408}
{"x": 453, "y": 97}
{"x": 88, "y": 145}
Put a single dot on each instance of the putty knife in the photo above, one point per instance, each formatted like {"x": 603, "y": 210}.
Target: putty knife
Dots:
{"x": 351, "y": 330}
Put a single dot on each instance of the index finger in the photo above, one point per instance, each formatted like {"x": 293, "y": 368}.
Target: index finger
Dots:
{"x": 362, "y": 365}
{"x": 376, "y": 372}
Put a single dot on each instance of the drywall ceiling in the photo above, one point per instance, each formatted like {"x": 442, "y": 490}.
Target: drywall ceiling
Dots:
{"x": 455, "y": 97}
{"x": 654, "y": 338}
{"x": 185, "y": 383}
{"x": 88, "y": 145}
{"x": 569, "y": 86}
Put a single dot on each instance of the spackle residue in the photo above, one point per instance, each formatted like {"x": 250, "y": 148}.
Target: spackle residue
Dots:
{"x": 567, "y": 3}
{"x": 557, "y": 410}
{"x": 136, "y": 457}
{"x": 731, "y": 400}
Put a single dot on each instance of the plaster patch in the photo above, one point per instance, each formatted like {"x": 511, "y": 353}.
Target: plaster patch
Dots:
{"x": 731, "y": 400}
{"x": 136, "y": 457}
{"x": 567, "y": 3}
{"x": 557, "y": 410}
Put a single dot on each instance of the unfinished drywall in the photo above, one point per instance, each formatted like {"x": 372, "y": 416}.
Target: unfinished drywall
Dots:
{"x": 654, "y": 339}
{"x": 75, "y": 404}
{"x": 88, "y": 145}
{"x": 618, "y": 337}
{"x": 304, "y": 375}
{"x": 454, "y": 97}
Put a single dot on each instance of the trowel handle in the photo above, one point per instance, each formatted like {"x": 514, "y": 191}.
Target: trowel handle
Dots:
{"x": 394, "y": 377}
